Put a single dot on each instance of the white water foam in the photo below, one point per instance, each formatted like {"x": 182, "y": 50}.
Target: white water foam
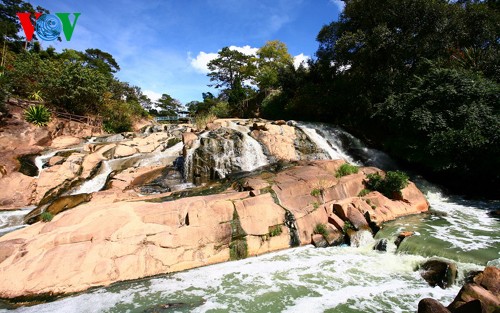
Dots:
{"x": 161, "y": 158}
{"x": 252, "y": 155}
{"x": 12, "y": 220}
{"x": 97, "y": 182}
{"x": 304, "y": 279}
{"x": 333, "y": 149}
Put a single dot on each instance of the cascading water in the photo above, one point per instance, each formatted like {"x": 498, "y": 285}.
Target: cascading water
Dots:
{"x": 97, "y": 183}
{"x": 306, "y": 279}
{"x": 12, "y": 220}
{"x": 334, "y": 150}
{"x": 252, "y": 154}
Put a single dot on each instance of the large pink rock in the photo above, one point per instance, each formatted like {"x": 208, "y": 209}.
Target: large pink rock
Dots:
{"x": 279, "y": 140}
{"x": 16, "y": 190}
{"x": 118, "y": 236}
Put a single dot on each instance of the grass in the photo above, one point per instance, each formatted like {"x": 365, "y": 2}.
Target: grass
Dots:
{"x": 316, "y": 192}
{"x": 46, "y": 217}
{"x": 347, "y": 225}
{"x": 202, "y": 120}
{"x": 320, "y": 229}
{"x": 38, "y": 115}
{"x": 346, "y": 169}
{"x": 275, "y": 230}
{"x": 315, "y": 205}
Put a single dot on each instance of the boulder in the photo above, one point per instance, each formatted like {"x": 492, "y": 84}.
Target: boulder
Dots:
{"x": 381, "y": 245}
{"x": 56, "y": 160}
{"x": 319, "y": 241}
{"x": 18, "y": 190}
{"x": 439, "y": 273}
{"x": 481, "y": 294}
{"x": 63, "y": 142}
{"x": 188, "y": 139}
{"x": 124, "y": 151}
{"x": 428, "y": 305}
{"x": 402, "y": 236}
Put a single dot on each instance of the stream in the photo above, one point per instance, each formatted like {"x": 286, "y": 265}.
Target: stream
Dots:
{"x": 336, "y": 279}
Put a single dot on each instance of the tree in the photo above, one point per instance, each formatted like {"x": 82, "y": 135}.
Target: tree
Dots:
{"x": 168, "y": 105}
{"x": 272, "y": 58}
{"x": 231, "y": 71}
{"x": 102, "y": 61}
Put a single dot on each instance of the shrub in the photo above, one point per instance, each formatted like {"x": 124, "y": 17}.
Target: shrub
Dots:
{"x": 275, "y": 230}
{"x": 346, "y": 169}
{"x": 238, "y": 249}
{"x": 320, "y": 229}
{"x": 364, "y": 192}
{"x": 347, "y": 225}
{"x": 315, "y": 205}
{"x": 202, "y": 120}
{"x": 221, "y": 109}
{"x": 46, "y": 217}
{"x": 316, "y": 192}
{"x": 390, "y": 185}
{"x": 37, "y": 114}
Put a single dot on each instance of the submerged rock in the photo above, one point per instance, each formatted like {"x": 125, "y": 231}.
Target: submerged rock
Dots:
{"x": 429, "y": 305}
{"x": 439, "y": 273}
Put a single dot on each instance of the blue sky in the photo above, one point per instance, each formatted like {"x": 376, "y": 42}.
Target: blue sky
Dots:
{"x": 163, "y": 45}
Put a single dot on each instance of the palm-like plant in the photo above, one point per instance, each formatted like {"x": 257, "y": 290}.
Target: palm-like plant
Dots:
{"x": 37, "y": 114}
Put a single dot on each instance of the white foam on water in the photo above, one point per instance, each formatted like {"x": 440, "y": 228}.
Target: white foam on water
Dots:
{"x": 470, "y": 228}
{"x": 97, "y": 182}
{"x": 333, "y": 149}
{"x": 252, "y": 154}
{"x": 158, "y": 158}
{"x": 303, "y": 279}
{"x": 12, "y": 220}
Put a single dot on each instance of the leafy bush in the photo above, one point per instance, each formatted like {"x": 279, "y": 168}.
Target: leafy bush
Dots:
{"x": 390, "y": 185}
{"x": 46, "y": 217}
{"x": 346, "y": 169}
{"x": 221, "y": 110}
{"x": 37, "y": 114}
{"x": 364, "y": 192}
{"x": 320, "y": 229}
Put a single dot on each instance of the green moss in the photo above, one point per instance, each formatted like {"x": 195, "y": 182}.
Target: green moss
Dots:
{"x": 238, "y": 249}
{"x": 275, "y": 230}
{"x": 364, "y": 192}
{"x": 315, "y": 205}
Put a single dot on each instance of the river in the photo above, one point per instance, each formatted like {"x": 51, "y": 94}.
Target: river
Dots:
{"x": 306, "y": 279}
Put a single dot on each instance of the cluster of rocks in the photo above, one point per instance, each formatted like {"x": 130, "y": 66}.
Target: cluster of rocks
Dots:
{"x": 109, "y": 239}
{"x": 480, "y": 294}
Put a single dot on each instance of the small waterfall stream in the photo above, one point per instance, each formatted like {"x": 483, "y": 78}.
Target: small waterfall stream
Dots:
{"x": 252, "y": 154}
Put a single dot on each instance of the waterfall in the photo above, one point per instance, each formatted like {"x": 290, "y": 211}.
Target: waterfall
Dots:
{"x": 334, "y": 150}
{"x": 362, "y": 239}
{"x": 12, "y": 220}
{"x": 97, "y": 182}
{"x": 252, "y": 154}
{"x": 161, "y": 158}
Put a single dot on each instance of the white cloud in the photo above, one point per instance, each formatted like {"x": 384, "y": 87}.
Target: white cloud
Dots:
{"x": 339, "y": 4}
{"x": 203, "y": 58}
{"x": 247, "y": 50}
{"x": 153, "y": 95}
{"x": 298, "y": 59}
{"x": 201, "y": 61}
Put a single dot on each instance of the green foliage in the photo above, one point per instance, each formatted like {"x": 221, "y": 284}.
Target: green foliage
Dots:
{"x": 320, "y": 229}
{"x": 390, "y": 185}
{"x": 347, "y": 225}
{"x": 346, "y": 169}
{"x": 221, "y": 109}
{"x": 46, "y": 217}
{"x": 315, "y": 205}
{"x": 316, "y": 192}
{"x": 364, "y": 192}
{"x": 38, "y": 115}
{"x": 275, "y": 230}
{"x": 272, "y": 57}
